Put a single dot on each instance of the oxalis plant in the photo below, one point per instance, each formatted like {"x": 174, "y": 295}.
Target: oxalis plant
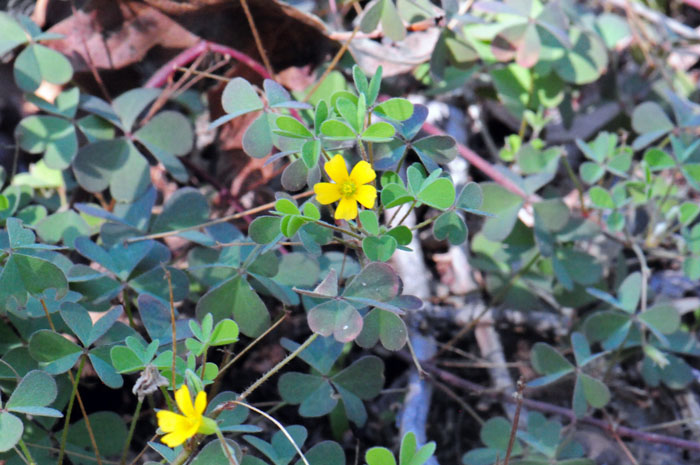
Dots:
{"x": 91, "y": 288}
{"x": 324, "y": 250}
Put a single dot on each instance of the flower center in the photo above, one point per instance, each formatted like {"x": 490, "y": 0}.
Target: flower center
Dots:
{"x": 348, "y": 189}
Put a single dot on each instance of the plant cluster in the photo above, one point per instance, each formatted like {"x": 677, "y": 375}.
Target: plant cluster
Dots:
{"x": 90, "y": 282}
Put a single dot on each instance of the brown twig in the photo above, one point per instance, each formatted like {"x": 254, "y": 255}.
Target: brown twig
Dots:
{"x": 516, "y": 419}
{"x": 256, "y": 38}
{"x": 622, "y": 431}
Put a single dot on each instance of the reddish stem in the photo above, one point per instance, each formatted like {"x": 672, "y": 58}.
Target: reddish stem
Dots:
{"x": 188, "y": 56}
{"x": 545, "y": 407}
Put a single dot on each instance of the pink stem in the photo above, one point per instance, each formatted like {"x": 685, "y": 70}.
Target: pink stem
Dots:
{"x": 188, "y": 56}
{"x": 482, "y": 165}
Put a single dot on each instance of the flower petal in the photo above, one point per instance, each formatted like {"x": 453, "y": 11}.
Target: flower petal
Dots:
{"x": 363, "y": 173}
{"x": 200, "y": 403}
{"x": 184, "y": 401}
{"x": 336, "y": 169}
{"x": 174, "y": 439}
{"x": 170, "y": 421}
{"x": 366, "y": 195}
{"x": 327, "y": 193}
{"x": 347, "y": 209}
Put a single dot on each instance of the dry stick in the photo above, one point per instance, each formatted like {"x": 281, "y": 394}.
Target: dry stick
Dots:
{"x": 172, "y": 322}
{"x": 89, "y": 61}
{"x": 545, "y": 407}
{"x": 74, "y": 381}
{"x": 622, "y": 445}
{"x": 256, "y": 38}
{"x": 223, "y": 219}
{"x": 516, "y": 419}
{"x": 333, "y": 63}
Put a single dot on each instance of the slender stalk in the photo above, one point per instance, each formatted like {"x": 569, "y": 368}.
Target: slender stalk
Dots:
{"x": 168, "y": 400}
{"x": 277, "y": 367}
{"x": 132, "y": 427}
{"x": 26, "y": 452}
{"x": 227, "y": 363}
{"x": 223, "y": 219}
{"x": 338, "y": 229}
{"x": 256, "y": 38}
{"x": 277, "y": 424}
{"x": 71, "y": 401}
{"x": 577, "y": 183}
{"x": 127, "y": 307}
{"x": 172, "y": 323}
{"x": 516, "y": 419}
{"x": 410, "y": 209}
{"x": 225, "y": 448}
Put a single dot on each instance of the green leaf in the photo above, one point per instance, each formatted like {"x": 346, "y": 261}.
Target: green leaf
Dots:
{"x": 291, "y": 127}
{"x": 236, "y": 297}
{"x": 688, "y": 211}
{"x": 397, "y": 109}
{"x": 379, "y": 456}
{"x": 53, "y": 136}
{"x": 629, "y": 292}
{"x": 168, "y": 135}
{"x": 37, "y": 63}
{"x": 551, "y": 214}
{"x": 546, "y": 360}
{"x": 257, "y": 139}
{"x": 310, "y": 152}
{"x": 11, "y": 429}
{"x": 58, "y": 352}
{"x": 691, "y": 267}
{"x": 239, "y": 98}
{"x": 337, "y": 130}
{"x": 591, "y": 172}
{"x": 225, "y": 332}
{"x": 595, "y": 391}
{"x": 96, "y": 163}
{"x": 129, "y": 105}
{"x": 649, "y": 117}
{"x": 585, "y": 61}
{"x": 662, "y": 318}
{"x": 379, "y": 248}
{"x": 264, "y": 229}
{"x": 384, "y": 326}
{"x": 439, "y": 193}
{"x": 402, "y": 234}
{"x": 394, "y": 195}
{"x": 378, "y": 132}
{"x": 601, "y": 198}
{"x": 364, "y": 378}
{"x": 495, "y": 434}
{"x": 504, "y": 205}
{"x": 11, "y": 33}
{"x": 213, "y": 453}
{"x": 369, "y": 222}
{"x": 348, "y": 109}
{"x": 36, "y": 389}
{"x": 295, "y": 176}
{"x": 376, "y": 281}
{"x": 109, "y": 431}
{"x": 450, "y": 226}
{"x": 335, "y": 317}
{"x": 438, "y": 149}
{"x": 63, "y": 226}
{"x": 185, "y": 208}
{"x": 24, "y": 274}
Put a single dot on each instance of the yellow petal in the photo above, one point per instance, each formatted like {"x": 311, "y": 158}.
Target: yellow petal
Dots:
{"x": 170, "y": 421}
{"x": 362, "y": 173}
{"x": 336, "y": 169}
{"x": 327, "y": 193}
{"x": 200, "y": 403}
{"x": 347, "y": 209}
{"x": 184, "y": 401}
{"x": 174, "y": 439}
{"x": 366, "y": 195}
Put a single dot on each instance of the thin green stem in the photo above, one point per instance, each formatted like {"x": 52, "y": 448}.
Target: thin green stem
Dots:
{"x": 501, "y": 294}
{"x": 277, "y": 367}
{"x": 225, "y": 448}
{"x": 71, "y": 401}
{"x": 26, "y": 452}
{"x": 127, "y": 307}
{"x": 172, "y": 323}
{"x": 410, "y": 209}
{"x": 168, "y": 400}
{"x": 577, "y": 183}
{"x": 337, "y": 229}
{"x": 132, "y": 428}
{"x": 424, "y": 223}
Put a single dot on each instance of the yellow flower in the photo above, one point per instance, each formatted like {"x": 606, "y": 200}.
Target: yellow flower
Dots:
{"x": 180, "y": 428}
{"x": 348, "y": 188}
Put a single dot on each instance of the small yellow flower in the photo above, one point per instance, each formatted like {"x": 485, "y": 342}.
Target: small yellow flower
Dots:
{"x": 180, "y": 428}
{"x": 348, "y": 188}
